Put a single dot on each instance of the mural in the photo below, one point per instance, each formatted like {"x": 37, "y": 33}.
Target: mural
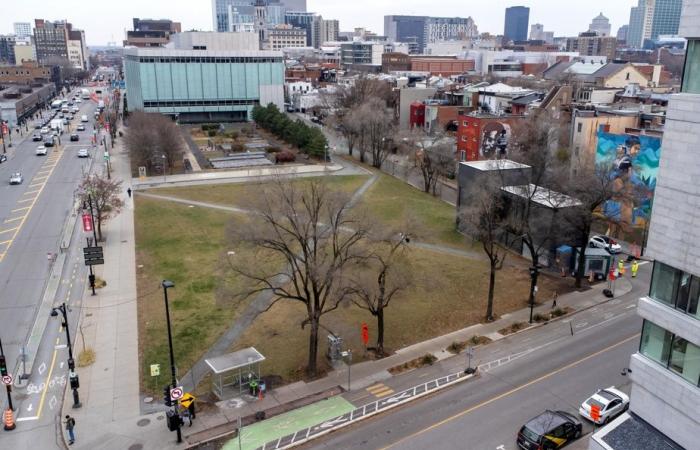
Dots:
{"x": 636, "y": 163}
{"x": 494, "y": 140}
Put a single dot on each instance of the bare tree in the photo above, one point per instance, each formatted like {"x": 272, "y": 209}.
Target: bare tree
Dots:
{"x": 483, "y": 220}
{"x": 103, "y": 194}
{"x": 152, "y": 138}
{"x": 433, "y": 155}
{"x": 381, "y": 277}
{"x": 307, "y": 226}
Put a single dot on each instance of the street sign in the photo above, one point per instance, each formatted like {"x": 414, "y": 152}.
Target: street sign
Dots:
{"x": 93, "y": 256}
{"x": 187, "y": 400}
{"x": 155, "y": 370}
{"x": 176, "y": 393}
{"x": 142, "y": 171}
{"x": 7, "y": 380}
{"x": 87, "y": 223}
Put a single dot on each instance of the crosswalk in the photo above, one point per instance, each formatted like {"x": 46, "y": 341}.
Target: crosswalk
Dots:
{"x": 380, "y": 390}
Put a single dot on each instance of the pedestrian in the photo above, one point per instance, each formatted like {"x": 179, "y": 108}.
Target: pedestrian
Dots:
{"x": 186, "y": 413}
{"x": 635, "y": 268}
{"x": 70, "y": 425}
{"x": 554, "y": 299}
{"x": 190, "y": 409}
{"x": 621, "y": 267}
{"x": 128, "y": 192}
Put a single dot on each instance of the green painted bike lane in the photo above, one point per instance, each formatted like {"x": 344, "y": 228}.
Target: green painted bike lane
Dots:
{"x": 259, "y": 433}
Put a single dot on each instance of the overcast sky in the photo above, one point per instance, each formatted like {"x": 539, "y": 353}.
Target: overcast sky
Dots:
{"x": 106, "y": 21}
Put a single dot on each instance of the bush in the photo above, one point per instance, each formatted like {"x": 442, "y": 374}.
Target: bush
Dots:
{"x": 209, "y": 126}
{"x": 309, "y": 140}
{"x": 428, "y": 359}
{"x": 237, "y": 147}
{"x": 540, "y": 317}
{"x": 285, "y": 156}
{"x": 232, "y": 134}
{"x": 273, "y": 149}
{"x": 558, "y": 312}
{"x": 211, "y": 133}
{"x": 456, "y": 347}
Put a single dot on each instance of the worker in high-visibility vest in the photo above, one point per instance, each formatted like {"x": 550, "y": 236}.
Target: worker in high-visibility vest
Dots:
{"x": 635, "y": 268}
{"x": 621, "y": 267}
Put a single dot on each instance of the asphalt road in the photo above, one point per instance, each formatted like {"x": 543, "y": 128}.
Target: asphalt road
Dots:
{"x": 541, "y": 369}
{"x": 32, "y": 219}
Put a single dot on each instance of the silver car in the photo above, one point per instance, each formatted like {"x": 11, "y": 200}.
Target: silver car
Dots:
{"x": 16, "y": 178}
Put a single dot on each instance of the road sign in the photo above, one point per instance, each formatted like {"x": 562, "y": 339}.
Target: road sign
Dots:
{"x": 87, "y": 223}
{"x": 365, "y": 333}
{"x": 176, "y": 393}
{"x": 7, "y": 380}
{"x": 142, "y": 171}
{"x": 187, "y": 400}
{"x": 155, "y": 370}
{"x": 93, "y": 256}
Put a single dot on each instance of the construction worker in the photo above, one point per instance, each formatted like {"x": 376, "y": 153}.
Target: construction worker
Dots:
{"x": 621, "y": 267}
{"x": 635, "y": 268}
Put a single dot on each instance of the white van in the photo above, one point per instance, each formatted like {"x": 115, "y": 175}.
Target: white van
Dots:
{"x": 83, "y": 118}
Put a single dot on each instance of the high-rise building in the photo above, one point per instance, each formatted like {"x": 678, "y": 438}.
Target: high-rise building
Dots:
{"x": 329, "y": 30}
{"x": 667, "y": 16}
{"x": 294, "y": 5}
{"x": 591, "y": 43}
{"x": 7, "y": 49}
{"x": 22, "y": 29}
{"x": 243, "y": 10}
{"x": 516, "y": 24}
{"x": 665, "y": 371}
{"x": 151, "y": 33}
{"x": 58, "y": 43}
{"x": 651, "y": 18}
{"x": 425, "y": 29}
{"x": 600, "y": 25}
{"x": 536, "y": 32}
{"x": 622, "y": 34}
{"x": 222, "y": 9}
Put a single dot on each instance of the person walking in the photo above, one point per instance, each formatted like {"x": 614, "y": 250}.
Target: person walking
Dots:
{"x": 128, "y": 192}
{"x": 621, "y": 267}
{"x": 635, "y": 268}
{"x": 554, "y": 299}
{"x": 70, "y": 427}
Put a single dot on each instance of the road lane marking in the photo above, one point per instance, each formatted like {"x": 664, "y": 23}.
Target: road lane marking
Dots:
{"x": 21, "y": 209}
{"x": 380, "y": 390}
{"x": 511, "y": 392}
{"x": 46, "y": 387}
{"x": 26, "y": 200}
{"x": 13, "y": 219}
{"x": 31, "y": 192}
{"x": 7, "y": 231}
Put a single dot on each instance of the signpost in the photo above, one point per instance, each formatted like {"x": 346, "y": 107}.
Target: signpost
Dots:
{"x": 93, "y": 256}
{"x": 176, "y": 393}
{"x": 7, "y": 380}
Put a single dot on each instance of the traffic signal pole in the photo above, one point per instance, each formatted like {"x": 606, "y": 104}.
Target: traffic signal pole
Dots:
{"x": 3, "y": 370}
{"x": 168, "y": 284}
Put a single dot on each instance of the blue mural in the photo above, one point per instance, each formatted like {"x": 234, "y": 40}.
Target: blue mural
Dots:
{"x": 636, "y": 163}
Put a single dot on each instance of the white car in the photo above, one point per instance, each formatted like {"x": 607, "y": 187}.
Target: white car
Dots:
{"x": 606, "y": 243}
{"x": 83, "y": 153}
{"x": 611, "y": 402}
{"x": 44, "y": 130}
{"x": 16, "y": 178}
{"x": 41, "y": 150}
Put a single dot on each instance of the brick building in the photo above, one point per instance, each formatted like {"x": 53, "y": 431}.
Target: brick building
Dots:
{"x": 484, "y": 136}
{"x": 27, "y": 73}
{"x": 442, "y": 65}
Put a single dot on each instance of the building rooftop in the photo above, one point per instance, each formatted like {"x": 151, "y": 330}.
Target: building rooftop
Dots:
{"x": 630, "y": 432}
{"x": 495, "y": 164}
{"x": 542, "y": 196}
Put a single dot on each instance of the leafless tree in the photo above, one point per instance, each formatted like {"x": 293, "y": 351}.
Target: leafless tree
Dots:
{"x": 103, "y": 194}
{"x": 380, "y": 277}
{"x": 433, "y": 155}
{"x": 150, "y": 137}
{"x": 483, "y": 220}
{"x": 309, "y": 227}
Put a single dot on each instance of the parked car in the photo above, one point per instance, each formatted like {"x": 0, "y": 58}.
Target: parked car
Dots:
{"x": 611, "y": 402}
{"x": 36, "y": 137}
{"x": 549, "y": 430}
{"x": 74, "y": 137}
{"x": 81, "y": 127}
{"x": 605, "y": 242}
{"x": 16, "y": 178}
{"x": 41, "y": 150}
{"x": 83, "y": 153}
{"x": 3, "y": 158}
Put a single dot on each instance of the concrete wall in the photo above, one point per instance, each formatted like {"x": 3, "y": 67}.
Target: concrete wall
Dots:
{"x": 408, "y": 96}
{"x": 665, "y": 400}
{"x": 674, "y": 321}
{"x": 674, "y": 233}
{"x": 690, "y": 19}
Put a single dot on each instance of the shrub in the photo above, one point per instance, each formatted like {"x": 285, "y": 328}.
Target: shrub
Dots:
{"x": 273, "y": 149}
{"x": 558, "y": 312}
{"x": 456, "y": 347}
{"x": 237, "y": 147}
{"x": 540, "y": 317}
{"x": 428, "y": 359}
{"x": 285, "y": 156}
{"x": 211, "y": 133}
{"x": 210, "y": 126}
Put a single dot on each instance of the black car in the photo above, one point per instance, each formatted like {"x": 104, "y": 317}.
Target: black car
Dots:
{"x": 48, "y": 142}
{"x": 549, "y": 430}
{"x": 74, "y": 137}
{"x": 36, "y": 137}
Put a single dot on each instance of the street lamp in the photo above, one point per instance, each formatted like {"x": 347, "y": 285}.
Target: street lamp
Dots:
{"x": 169, "y": 284}
{"x": 74, "y": 381}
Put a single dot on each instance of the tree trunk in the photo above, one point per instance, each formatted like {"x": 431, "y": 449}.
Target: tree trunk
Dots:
{"x": 380, "y": 331}
{"x": 581, "y": 269}
{"x": 99, "y": 228}
{"x": 534, "y": 271}
{"x": 492, "y": 287}
{"x": 313, "y": 348}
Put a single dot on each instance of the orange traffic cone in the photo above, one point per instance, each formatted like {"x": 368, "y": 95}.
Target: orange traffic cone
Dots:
{"x": 9, "y": 420}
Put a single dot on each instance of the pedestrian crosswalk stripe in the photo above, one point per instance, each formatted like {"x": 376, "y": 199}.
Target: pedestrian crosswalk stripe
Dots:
{"x": 380, "y": 390}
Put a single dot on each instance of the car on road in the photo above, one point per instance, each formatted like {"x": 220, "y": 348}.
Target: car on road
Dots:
{"x": 611, "y": 402}
{"x": 41, "y": 150}
{"x": 16, "y": 178}
{"x": 83, "y": 118}
{"x": 549, "y": 430}
{"x": 36, "y": 137}
{"x": 81, "y": 127}
{"x": 605, "y": 242}
{"x": 3, "y": 158}
{"x": 44, "y": 130}
{"x": 48, "y": 142}
{"x": 83, "y": 153}
{"x": 74, "y": 137}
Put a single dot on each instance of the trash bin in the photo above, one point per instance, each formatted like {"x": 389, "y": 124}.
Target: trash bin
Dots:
{"x": 254, "y": 388}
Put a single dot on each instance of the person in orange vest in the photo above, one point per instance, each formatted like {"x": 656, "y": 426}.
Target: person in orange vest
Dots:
{"x": 635, "y": 268}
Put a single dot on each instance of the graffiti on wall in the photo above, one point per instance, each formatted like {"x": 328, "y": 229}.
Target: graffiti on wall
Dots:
{"x": 635, "y": 161}
{"x": 494, "y": 140}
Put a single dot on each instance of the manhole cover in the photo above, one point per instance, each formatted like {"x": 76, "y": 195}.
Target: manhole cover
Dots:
{"x": 143, "y": 422}
{"x": 136, "y": 447}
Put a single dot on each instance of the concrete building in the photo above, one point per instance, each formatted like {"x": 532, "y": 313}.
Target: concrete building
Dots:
{"x": 27, "y": 73}
{"x": 425, "y": 29}
{"x": 622, "y": 34}
{"x": 441, "y": 65}
{"x": 592, "y": 44}
{"x": 7, "y": 49}
{"x": 329, "y": 31}
{"x": 665, "y": 372}
{"x": 52, "y": 40}
{"x": 204, "y": 76}
{"x": 294, "y": 5}
{"x": 284, "y": 36}
{"x": 307, "y": 21}
{"x": 515, "y": 28}
{"x": 667, "y": 15}
{"x": 651, "y": 18}
{"x": 18, "y": 102}
{"x": 151, "y": 33}
{"x": 23, "y": 30}
{"x": 24, "y": 53}
{"x": 409, "y": 95}
{"x": 600, "y": 25}
{"x": 77, "y": 49}
{"x": 361, "y": 53}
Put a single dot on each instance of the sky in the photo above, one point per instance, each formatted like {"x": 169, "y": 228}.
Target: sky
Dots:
{"x": 105, "y": 22}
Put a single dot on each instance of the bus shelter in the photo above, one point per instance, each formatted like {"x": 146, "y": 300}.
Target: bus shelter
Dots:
{"x": 235, "y": 371}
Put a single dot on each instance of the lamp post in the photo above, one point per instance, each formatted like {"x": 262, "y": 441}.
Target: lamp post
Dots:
{"x": 169, "y": 284}
{"x": 74, "y": 381}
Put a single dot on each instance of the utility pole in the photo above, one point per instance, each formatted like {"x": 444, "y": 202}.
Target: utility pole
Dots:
{"x": 74, "y": 381}
{"x": 3, "y": 370}
{"x": 169, "y": 284}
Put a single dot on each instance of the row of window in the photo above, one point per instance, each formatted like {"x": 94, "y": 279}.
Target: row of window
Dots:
{"x": 673, "y": 352}
{"x": 675, "y": 288}
{"x": 207, "y": 59}
{"x": 691, "y": 73}
{"x": 173, "y": 103}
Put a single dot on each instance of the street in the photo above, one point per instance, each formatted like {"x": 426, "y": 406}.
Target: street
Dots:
{"x": 35, "y": 226}
{"x": 540, "y": 369}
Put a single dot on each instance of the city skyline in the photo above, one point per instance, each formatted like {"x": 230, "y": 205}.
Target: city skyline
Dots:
{"x": 564, "y": 19}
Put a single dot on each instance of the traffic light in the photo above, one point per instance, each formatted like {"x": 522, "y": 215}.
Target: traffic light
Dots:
{"x": 166, "y": 396}
{"x": 3, "y": 365}
{"x": 74, "y": 381}
{"x": 174, "y": 420}
{"x": 71, "y": 364}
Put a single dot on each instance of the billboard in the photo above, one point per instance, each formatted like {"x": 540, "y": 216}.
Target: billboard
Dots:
{"x": 635, "y": 161}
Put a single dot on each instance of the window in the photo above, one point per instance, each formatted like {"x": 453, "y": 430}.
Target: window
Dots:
{"x": 655, "y": 342}
{"x": 579, "y": 127}
{"x": 664, "y": 282}
{"x": 691, "y": 71}
{"x": 685, "y": 360}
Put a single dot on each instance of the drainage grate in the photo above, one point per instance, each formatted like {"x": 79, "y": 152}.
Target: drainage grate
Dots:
{"x": 143, "y": 422}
